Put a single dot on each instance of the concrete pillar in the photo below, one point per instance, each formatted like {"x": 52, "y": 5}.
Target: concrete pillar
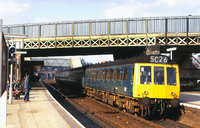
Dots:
{"x": 18, "y": 67}
{"x": 22, "y": 67}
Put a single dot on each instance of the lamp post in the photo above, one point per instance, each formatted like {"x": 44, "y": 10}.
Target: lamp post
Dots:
{"x": 12, "y": 52}
{"x": 11, "y": 76}
{"x": 11, "y": 73}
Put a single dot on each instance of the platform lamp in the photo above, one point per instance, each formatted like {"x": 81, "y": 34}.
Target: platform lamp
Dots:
{"x": 11, "y": 70}
{"x": 12, "y": 51}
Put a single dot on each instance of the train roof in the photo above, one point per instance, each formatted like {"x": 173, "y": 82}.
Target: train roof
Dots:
{"x": 132, "y": 60}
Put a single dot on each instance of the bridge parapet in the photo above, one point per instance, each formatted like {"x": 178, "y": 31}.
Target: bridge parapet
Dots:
{"x": 183, "y": 30}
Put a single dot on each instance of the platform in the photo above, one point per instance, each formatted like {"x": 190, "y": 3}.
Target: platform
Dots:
{"x": 41, "y": 112}
{"x": 190, "y": 99}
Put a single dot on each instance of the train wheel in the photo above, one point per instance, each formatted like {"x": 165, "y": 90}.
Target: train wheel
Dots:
{"x": 145, "y": 112}
{"x": 105, "y": 98}
{"x": 111, "y": 100}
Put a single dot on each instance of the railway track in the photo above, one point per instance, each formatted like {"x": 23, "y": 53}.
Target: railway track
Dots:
{"x": 109, "y": 116}
{"x": 57, "y": 94}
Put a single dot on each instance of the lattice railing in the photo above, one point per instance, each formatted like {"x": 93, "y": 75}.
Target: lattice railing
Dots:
{"x": 106, "y": 41}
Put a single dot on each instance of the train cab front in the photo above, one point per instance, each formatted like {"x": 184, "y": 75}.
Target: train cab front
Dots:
{"x": 157, "y": 86}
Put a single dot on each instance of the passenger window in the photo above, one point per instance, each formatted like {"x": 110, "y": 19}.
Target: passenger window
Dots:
{"x": 90, "y": 74}
{"x": 101, "y": 75}
{"x": 93, "y": 74}
{"x": 125, "y": 74}
{"x": 108, "y": 75}
{"x": 145, "y": 75}
{"x": 114, "y": 74}
{"x": 159, "y": 75}
{"x": 171, "y": 76}
{"x": 96, "y": 75}
{"x": 117, "y": 74}
{"x": 111, "y": 74}
{"x": 105, "y": 74}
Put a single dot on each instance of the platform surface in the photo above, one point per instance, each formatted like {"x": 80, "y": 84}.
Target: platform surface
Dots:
{"x": 190, "y": 98}
{"x": 41, "y": 112}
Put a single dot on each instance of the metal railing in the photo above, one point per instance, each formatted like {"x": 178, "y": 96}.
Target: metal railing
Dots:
{"x": 184, "y": 24}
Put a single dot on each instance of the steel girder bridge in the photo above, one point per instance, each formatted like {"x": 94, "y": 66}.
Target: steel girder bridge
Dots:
{"x": 120, "y": 37}
{"x": 131, "y": 32}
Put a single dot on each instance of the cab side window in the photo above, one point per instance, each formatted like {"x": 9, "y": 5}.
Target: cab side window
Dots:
{"x": 145, "y": 75}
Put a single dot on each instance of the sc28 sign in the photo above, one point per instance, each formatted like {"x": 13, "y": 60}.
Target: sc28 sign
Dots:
{"x": 158, "y": 59}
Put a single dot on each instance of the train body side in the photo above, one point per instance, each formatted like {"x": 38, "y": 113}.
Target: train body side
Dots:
{"x": 136, "y": 80}
{"x": 71, "y": 77}
{"x": 109, "y": 79}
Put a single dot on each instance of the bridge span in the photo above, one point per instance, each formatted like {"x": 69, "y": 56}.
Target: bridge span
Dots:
{"x": 121, "y": 37}
{"x": 130, "y": 32}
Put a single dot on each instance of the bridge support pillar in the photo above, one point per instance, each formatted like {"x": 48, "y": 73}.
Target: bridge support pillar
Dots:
{"x": 18, "y": 67}
{"x": 22, "y": 67}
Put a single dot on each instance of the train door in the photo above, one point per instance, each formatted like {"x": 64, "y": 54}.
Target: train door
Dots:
{"x": 130, "y": 80}
{"x": 86, "y": 80}
{"x": 105, "y": 80}
{"x": 125, "y": 80}
{"x": 96, "y": 80}
{"x": 49, "y": 76}
{"x": 100, "y": 79}
{"x": 117, "y": 82}
{"x": 53, "y": 76}
{"x": 89, "y": 80}
{"x": 110, "y": 79}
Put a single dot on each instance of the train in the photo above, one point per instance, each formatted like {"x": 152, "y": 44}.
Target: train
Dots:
{"x": 140, "y": 85}
{"x": 71, "y": 77}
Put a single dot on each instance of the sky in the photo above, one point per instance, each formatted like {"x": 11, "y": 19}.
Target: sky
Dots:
{"x": 37, "y": 11}
{"x": 40, "y": 11}
{"x": 90, "y": 59}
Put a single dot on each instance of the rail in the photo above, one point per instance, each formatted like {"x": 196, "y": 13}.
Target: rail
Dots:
{"x": 82, "y": 110}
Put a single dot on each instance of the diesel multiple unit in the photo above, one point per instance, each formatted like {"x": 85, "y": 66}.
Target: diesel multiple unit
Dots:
{"x": 140, "y": 85}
